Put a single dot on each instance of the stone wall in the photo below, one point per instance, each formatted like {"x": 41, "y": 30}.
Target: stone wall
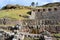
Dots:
{"x": 53, "y": 28}
{"x": 40, "y": 22}
{"x": 50, "y": 25}
{"x": 8, "y": 21}
{"x": 46, "y": 13}
{"x": 49, "y": 17}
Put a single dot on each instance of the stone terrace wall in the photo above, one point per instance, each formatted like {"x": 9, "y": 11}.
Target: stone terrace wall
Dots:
{"x": 53, "y": 28}
{"x": 8, "y": 21}
{"x": 50, "y": 25}
{"x": 50, "y": 13}
{"x": 46, "y": 13}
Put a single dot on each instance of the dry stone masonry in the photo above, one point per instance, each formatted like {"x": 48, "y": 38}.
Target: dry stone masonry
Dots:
{"x": 44, "y": 18}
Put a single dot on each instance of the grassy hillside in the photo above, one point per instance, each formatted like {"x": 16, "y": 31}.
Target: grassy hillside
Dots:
{"x": 50, "y": 4}
{"x": 14, "y": 13}
{"x": 18, "y": 12}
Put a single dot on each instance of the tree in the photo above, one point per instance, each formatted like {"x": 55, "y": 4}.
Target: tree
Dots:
{"x": 36, "y": 3}
{"x": 33, "y": 4}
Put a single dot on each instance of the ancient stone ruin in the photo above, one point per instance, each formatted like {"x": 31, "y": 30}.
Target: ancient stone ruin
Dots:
{"x": 44, "y": 18}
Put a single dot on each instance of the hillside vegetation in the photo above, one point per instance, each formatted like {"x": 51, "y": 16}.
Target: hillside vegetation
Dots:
{"x": 20, "y": 12}
{"x": 14, "y": 12}
{"x": 51, "y": 4}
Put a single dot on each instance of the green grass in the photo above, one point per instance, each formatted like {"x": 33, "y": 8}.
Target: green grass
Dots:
{"x": 30, "y": 38}
{"x": 57, "y": 35}
{"x": 14, "y": 13}
{"x": 27, "y": 38}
